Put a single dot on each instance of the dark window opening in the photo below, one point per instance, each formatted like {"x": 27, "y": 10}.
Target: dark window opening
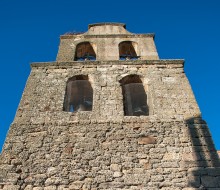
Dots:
{"x": 79, "y": 94}
{"x": 127, "y": 51}
{"x": 134, "y": 96}
{"x": 85, "y": 51}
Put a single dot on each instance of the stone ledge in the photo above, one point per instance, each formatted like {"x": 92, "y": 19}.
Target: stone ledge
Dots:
{"x": 111, "y": 62}
{"x": 70, "y": 121}
{"x": 69, "y": 36}
{"x": 107, "y": 23}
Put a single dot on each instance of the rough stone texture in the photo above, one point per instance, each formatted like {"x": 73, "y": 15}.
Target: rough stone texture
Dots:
{"x": 49, "y": 149}
{"x": 105, "y": 39}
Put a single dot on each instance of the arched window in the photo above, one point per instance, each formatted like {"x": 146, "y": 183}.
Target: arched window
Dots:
{"x": 84, "y": 51}
{"x": 79, "y": 94}
{"x": 134, "y": 96}
{"x": 127, "y": 51}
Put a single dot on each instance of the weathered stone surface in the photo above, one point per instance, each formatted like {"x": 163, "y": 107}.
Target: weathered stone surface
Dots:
{"x": 28, "y": 187}
{"x": 115, "y": 167}
{"x": 147, "y": 140}
{"x": 76, "y": 185}
{"x": 210, "y": 181}
{"x": 38, "y": 188}
{"x": 117, "y": 174}
{"x": 11, "y": 187}
{"x": 50, "y": 188}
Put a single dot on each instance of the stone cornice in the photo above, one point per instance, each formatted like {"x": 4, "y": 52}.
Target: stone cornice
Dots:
{"x": 107, "y": 23}
{"x": 69, "y": 36}
{"x": 160, "y": 63}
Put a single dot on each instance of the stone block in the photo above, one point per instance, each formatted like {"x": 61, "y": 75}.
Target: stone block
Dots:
{"x": 28, "y": 187}
{"x": 147, "y": 140}
{"x": 190, "y": 156}
{"x": 50, "y": 188}
{"x": 117, "y": 174}
{"x": 157, "y": 178}
{"x": 210, "y": 181}
{"x": 76, "y": 185}
{"x": 63, "y": 187}
{"x": 11, "y": 187}
{"x": 38, "y": 188}
{"x": 115, "y": 167}
{"x": 171, "y": 156}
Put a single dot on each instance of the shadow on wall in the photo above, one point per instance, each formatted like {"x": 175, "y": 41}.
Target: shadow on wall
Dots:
{"x": 204, "y": 170}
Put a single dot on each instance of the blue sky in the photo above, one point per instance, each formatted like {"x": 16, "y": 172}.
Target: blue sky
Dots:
{"x": 189, "y": 29}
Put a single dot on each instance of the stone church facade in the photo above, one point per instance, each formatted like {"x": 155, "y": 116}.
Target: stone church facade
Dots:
{"x": 108, "y": 114}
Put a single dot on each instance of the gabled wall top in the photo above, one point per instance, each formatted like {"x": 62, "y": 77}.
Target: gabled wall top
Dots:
{"x": 106, "y": 41}
{"x": 107, "y": 28}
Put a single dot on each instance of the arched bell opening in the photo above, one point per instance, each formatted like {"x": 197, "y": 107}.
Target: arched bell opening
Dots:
{"x": 79, "y": 94}
{"x": 85, "y": 51}
{"x": 127, "y": 51}
{"x": 134, "y": 96}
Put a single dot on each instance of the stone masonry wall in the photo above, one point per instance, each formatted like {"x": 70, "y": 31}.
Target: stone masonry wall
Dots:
{"x": 105, "y": 39}
{"x": 106, "y": 46}
{"x": 49, "y": 149}
{"x": 98, "y": 155}
{"x": 168, "y": 90}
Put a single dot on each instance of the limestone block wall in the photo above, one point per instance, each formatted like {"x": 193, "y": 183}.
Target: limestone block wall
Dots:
{"x": 107, "y": 28}
{"x": 169, "y": 93}
{"x": 116, "y": 155}
{"x": 106, "y": 46}
{"x": 49, "y": 149}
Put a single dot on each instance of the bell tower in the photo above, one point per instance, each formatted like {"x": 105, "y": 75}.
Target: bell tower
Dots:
{"x": 108, "y": 114}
